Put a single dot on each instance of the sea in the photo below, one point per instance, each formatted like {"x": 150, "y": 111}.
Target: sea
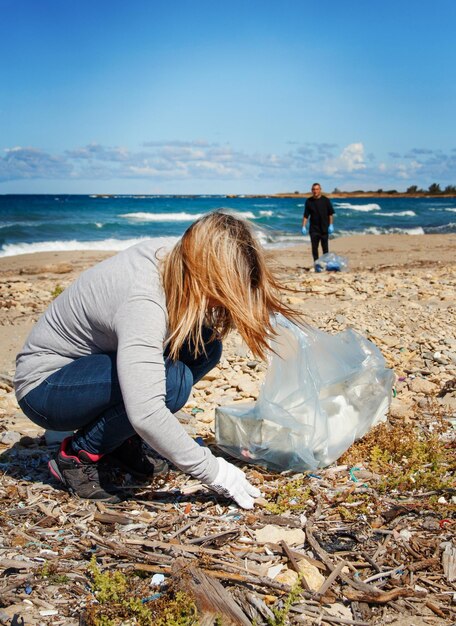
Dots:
{"x": 38, "y": 223}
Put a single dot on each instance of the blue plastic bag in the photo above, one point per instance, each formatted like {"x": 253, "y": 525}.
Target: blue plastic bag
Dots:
{"x": 331, "y": 262}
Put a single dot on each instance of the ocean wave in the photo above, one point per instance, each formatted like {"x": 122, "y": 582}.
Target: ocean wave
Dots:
{"x": 262, "y": 206}
{"x": 162, "y": 217}
{"x": 408, "y": 231}
{"x": 248, "y": 215}
{"x": 451, "y": 209}
{"x": 178, "y": 217}
{"x": 374, "y": 230}
{"x": 380, "y": 230}
{"x": 397, "y": 214}
{"x": 25, "y": 223}
{"x": 15, "y": 249}
{"x": 442, "y": 228}
{"x": 266, "y": 213}
{"x": 358, "y": 207}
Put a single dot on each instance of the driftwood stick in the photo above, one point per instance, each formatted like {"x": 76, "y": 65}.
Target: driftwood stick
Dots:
{"x": 23, "y": 580}
{"x": 164, "y": 545}
{"x": 227, "y": 534}
{"x": 435, "y": 609}
{"x": 360, "y": 586}
{"x": 325, "y": 617}
{"x": 112, "y": 518}
{"x": 118, "y": 549}
{"x": 182, "y": 529}
{"x": 423, "y": 564}
{"x": 375, "y": 565}
{"x": 260, "y": 581}
{"x": 330, "y": 580}
{"x": 390, "y": 572}
{"x": 294, "y": 565}
{"x": 377, "y": 597}
{"x": 260, "y": 606}
{"x": 211, "y": 598}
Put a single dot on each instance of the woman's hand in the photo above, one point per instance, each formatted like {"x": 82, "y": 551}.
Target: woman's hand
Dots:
{"x": 231, "y": 482}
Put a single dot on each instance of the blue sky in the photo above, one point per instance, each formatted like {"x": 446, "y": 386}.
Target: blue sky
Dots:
{"x": 246, "y": 96}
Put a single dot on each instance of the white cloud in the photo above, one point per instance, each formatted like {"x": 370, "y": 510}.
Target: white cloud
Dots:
{"x": 200, "y": 160}
{"x": 350, "y": 159}
{"x": 29, "y": 162}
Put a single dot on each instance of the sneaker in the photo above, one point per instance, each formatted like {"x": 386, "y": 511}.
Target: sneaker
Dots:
{"x": 132, "y": 457}
{"x": 82, "y": 474}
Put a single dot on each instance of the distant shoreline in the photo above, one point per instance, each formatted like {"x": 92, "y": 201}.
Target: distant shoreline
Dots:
{"x": 347, "y": 194}
{"x": 341, "y": 194}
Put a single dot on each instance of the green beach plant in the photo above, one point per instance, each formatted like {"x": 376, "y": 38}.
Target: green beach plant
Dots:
{"x": 119, "y": 599}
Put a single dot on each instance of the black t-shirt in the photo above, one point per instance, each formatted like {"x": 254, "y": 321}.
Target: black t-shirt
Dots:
{"x": 318, "y": 211}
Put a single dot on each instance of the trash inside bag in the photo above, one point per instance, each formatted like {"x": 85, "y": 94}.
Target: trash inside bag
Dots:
{"x": 321, "y": 393}
{"x": 331, "y": 262}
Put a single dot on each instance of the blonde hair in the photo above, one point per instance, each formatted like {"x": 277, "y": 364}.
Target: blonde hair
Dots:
{"x": 217, "y": 276}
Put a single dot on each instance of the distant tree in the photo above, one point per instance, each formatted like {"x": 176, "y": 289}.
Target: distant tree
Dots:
{"x": 295, "y": 192}
{"x": 392, "y": 191}
{"x": 412, "y": 189}
{"x": 379, "y": 190}
{"x": 450, "y": 189}
{"x": 336, "y": 190}
{"x": 434, "y": 189}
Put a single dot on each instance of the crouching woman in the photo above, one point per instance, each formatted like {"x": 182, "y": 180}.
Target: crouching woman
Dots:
{"x": 117, "y": 353}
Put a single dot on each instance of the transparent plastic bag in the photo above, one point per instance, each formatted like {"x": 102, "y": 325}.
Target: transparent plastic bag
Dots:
{"x": 321, "y": 393}
{"x": 331, "y": 262}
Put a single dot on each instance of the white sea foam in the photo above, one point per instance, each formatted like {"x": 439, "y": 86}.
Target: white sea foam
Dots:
{"x": 14, "y": 249}
{"x": 262, "y": 206}
{"x": 22, "y": 223}
{"x": 373, "y": 230}
{"x": 98, "y": 224}
{"x": 248, "y": 215}
{"x": 445, "y": 228}
{"x": 178, "y": 217}
{"x": 397, "y": 214}
{"x": 266, "y": 213}
{"x": 358, "y": 207}
{"x": 451, "y": 209}
{"x": 378, "y": 230}
{"x": 409, "y": 231}
{"x": 162, "y": 217}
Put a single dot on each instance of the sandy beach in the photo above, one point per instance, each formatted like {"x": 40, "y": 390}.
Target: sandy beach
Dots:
{"x": 27, "y": 281}
{"x": 399, "y": 292}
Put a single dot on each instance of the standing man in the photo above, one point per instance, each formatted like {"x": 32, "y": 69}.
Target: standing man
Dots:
{"x": 320, "y": 211}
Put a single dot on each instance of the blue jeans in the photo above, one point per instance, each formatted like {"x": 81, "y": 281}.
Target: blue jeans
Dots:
{"x": 85, "y": 396}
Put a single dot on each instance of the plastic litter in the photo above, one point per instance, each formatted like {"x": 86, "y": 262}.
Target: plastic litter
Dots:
{"x": 321, "y": 393}
{"x": 157, "y": 579}
{"x": 331, "y": 262}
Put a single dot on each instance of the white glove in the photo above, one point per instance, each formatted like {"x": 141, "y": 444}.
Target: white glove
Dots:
{"x": 231, "y": 482}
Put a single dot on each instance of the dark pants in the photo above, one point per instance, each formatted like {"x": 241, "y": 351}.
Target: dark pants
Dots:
{"x": 85, "y": 396}
{"x": 315, "y": 239}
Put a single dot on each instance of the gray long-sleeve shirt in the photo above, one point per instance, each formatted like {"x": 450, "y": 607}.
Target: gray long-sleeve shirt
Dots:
{"x": 118, "y": 306}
